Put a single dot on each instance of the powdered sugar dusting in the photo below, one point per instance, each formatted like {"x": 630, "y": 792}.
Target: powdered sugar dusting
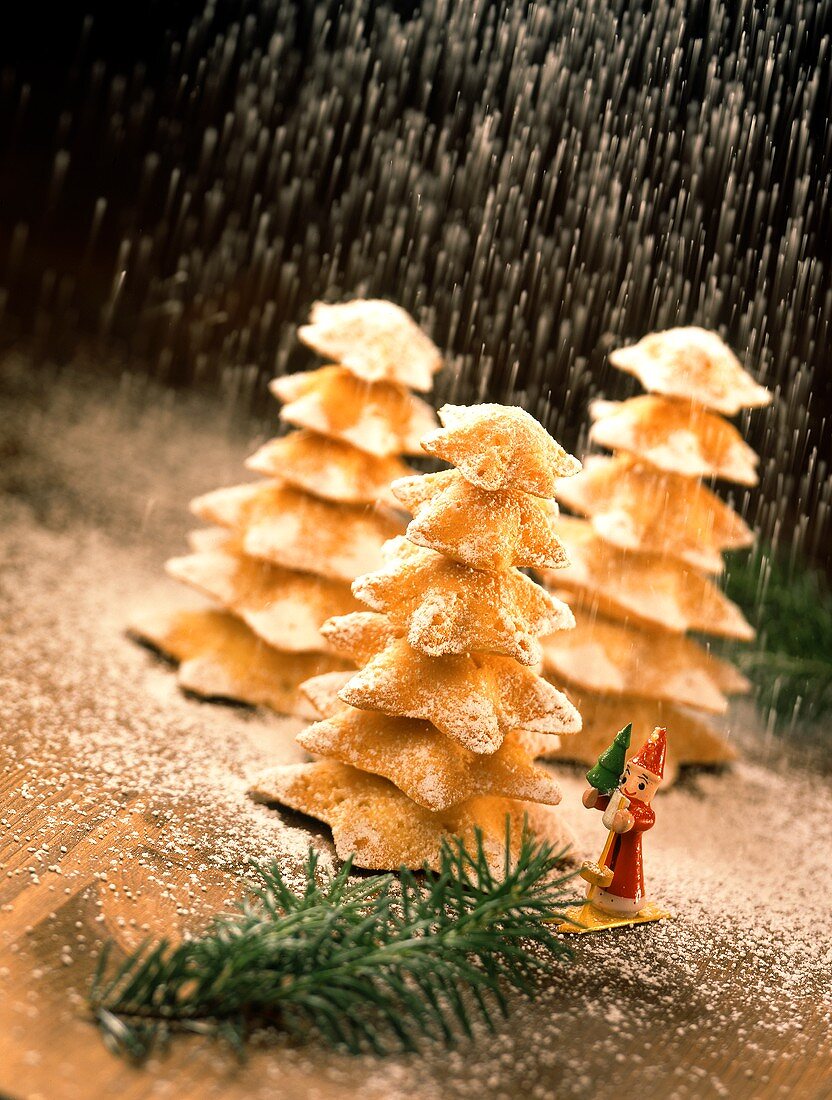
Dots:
{"x": 729, "y": 999}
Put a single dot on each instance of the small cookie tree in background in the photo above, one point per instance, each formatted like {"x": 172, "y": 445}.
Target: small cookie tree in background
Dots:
{"x": 641, "y": 563}
{"x": 427, "y": 738}
{"x": 285, "y": 549}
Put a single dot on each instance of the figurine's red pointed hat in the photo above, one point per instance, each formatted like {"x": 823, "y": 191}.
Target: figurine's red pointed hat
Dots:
{"x": 653, "y": 751}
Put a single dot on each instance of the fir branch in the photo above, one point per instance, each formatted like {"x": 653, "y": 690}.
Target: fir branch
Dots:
{"x": 790, "y": 606}
{"x": 362, "y": 962}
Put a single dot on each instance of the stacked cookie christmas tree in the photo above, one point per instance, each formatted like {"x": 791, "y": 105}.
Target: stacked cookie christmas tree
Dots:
{"x": 642, "y": 564}
{"x": 428, "y": 738}
{"x": 284, "y": 550}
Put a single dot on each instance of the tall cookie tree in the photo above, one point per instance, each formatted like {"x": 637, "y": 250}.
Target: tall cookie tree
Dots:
{"x": 642, "y": 563}
{"x": 428, "y": 738}
{"x": 284, "y": 550}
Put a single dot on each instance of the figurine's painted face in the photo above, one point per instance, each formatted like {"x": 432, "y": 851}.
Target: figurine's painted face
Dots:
{"x": 638, "y": 782}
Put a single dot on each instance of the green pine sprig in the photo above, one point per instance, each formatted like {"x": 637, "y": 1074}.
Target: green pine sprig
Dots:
{"x": 790, "y": 605}
{"x": 368, "y": 963}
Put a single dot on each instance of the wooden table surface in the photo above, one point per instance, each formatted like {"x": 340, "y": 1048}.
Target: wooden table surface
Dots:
{"x": 111, "y": 827}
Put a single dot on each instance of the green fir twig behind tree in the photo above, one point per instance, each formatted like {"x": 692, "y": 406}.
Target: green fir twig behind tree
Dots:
{"x": 790, "y": 606}
{"x": 369, "y": 964}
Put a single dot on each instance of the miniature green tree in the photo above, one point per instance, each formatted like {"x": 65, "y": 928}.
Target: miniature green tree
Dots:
{"x": 605, "y": 775}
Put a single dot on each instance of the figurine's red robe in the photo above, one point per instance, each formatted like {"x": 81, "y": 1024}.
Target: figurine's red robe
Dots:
{"x": 624, "y": 856}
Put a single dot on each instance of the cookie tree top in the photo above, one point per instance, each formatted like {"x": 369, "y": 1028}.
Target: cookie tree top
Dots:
{"x": 642, "y": 561}
{"x": 435, "y": 734}
{"x": 692, "y": 364}
{"x": 285, "y": 549}
{"x": 375, "y": 340}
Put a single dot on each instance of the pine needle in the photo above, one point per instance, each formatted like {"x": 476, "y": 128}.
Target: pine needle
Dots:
{"x": 374, "y": 964}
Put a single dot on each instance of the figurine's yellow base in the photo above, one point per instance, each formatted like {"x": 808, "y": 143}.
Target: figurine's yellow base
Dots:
{"x": 588, "y": 918}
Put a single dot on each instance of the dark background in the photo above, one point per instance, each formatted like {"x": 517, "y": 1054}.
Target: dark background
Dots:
{"x": 537, "y": 183}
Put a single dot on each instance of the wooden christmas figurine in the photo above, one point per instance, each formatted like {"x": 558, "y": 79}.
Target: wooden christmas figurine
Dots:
{"x": 616, "y": 894}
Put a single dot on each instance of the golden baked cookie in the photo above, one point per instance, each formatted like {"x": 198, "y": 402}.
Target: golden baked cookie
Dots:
{"x": 323, "y": 693}
{"x": 486, "y": 530}
{"x": 636, "y": 507}
{"x": 445, "y": 607}
{"x": 327, "y": 468}
{"x": 645, "y": 589}
{"x": 219, "y": 657}
{"x": 290, "y": 528}
{"x": 431, "y": 770}
{"x": 382, "y": 828}
{"x": 500, "y": 447}
{"x": 378, "y": 417}
{"x": 611, "y": 658}
{"x": 475, "y": 699}
{"x": 695, "y": 365}
{"x": 675, "y": 436}
{"x": 375, "y": 340}
{"x": 284, "y": 607}
{"x": 359, "y": 635}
